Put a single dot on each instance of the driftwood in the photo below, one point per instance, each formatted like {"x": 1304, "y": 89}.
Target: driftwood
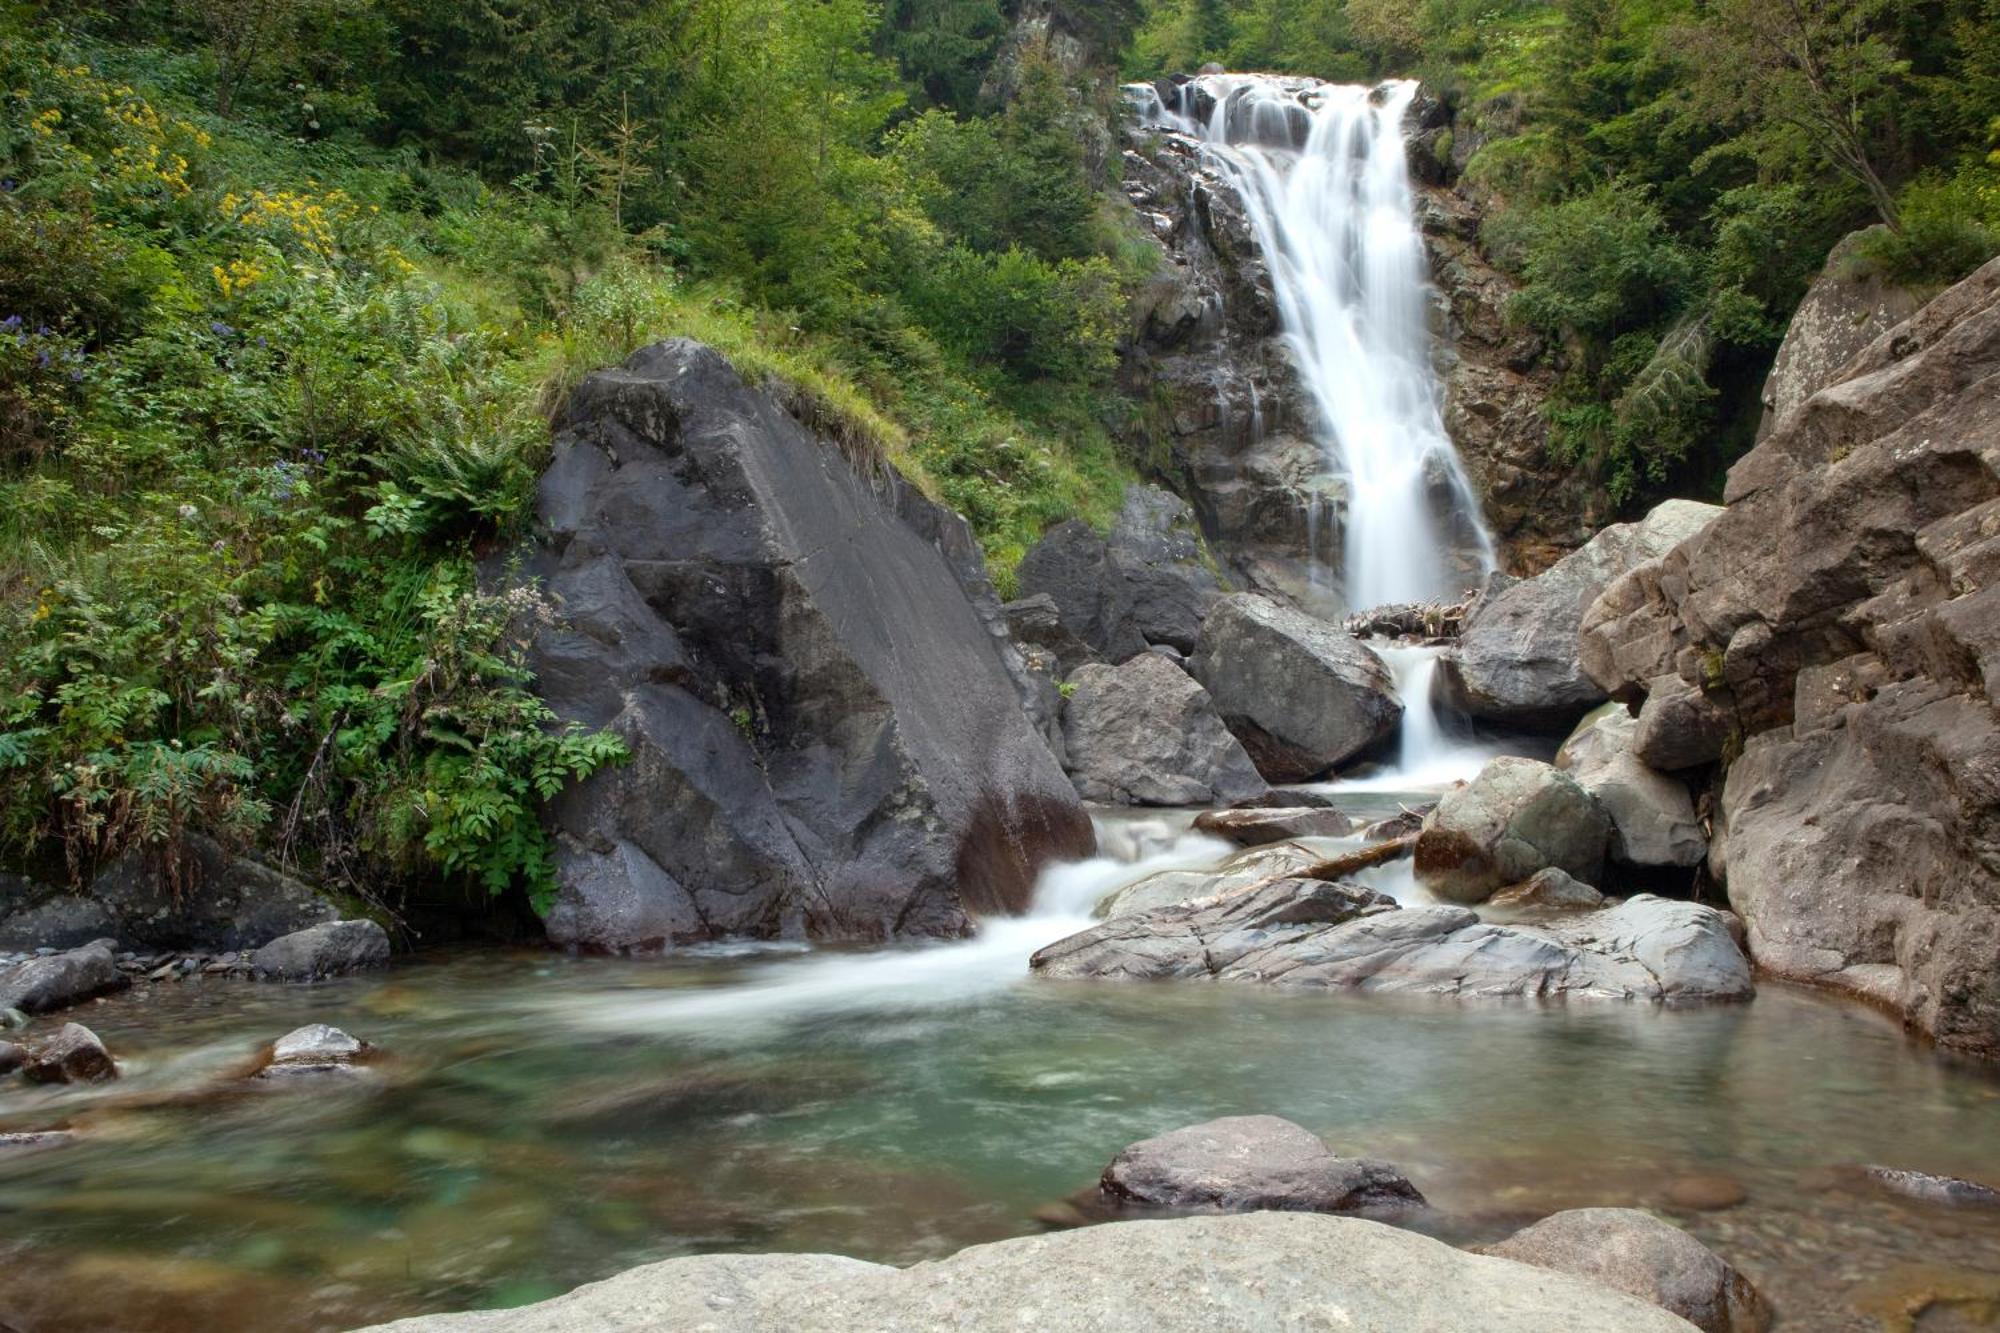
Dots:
{"x": 1340, "y": 867}
{"x": 1419, "y": 620}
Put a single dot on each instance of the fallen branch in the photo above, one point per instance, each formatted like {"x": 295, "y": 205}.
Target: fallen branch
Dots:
{"x": 1339, "y": 867}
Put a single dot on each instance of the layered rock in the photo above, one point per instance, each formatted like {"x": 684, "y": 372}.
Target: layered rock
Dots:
{"x": 1146, "y": 734}
{"x": 1842, "y": 614}
{"x": 1261, "y": 1270}
{"x": 1640, "y": 1255}
{"x": 1314, "y": 934}
{"x": 1302, "y": 695}
{"x": 827, "y": 728}
{"x": 1247, "y": 1163}
{"x": 1517, "y": 661}
{"x": 1146, "y": 582}
{"x": 1519, "y": 816}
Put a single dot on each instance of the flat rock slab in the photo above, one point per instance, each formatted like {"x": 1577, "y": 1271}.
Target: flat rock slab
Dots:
{"x": 1310, "y": 933}
{"x": 1246, "y": 1163}
{"x": 1255, "y": 827}
{"x": 1257, "y": 1271}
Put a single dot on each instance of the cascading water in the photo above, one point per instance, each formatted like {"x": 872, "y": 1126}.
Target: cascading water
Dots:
{"x": 1322, "y": 173}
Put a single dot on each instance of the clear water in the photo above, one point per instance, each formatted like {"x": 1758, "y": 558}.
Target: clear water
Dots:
{"x": 544, "y": 1121}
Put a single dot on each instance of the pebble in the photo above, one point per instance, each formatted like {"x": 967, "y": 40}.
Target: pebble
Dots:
{"x": 1706, "y": 1193}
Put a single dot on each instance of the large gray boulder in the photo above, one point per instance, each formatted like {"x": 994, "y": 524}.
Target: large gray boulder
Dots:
{"x": 1260, "y": 1270}
{"x": 1848, "y": 306}
{"x": 1312, "y": 934}
{"x": 824, "y": 714}
{"x": 1640, "y": 1255}
{"x": 1844, "y": 616}
{"x": 57, "y": 981}
{"x": 1653, "y": 819}
{"x": 1145, "y": 733}
{"x": 333, "y": 949}
{"x": 1147, "y": 582}
{"x": 1244, "y": 1163}
{"x": 1517, "y": 817}
{"x": 1302, "y": 695}
{"x": 1517, "y": 661}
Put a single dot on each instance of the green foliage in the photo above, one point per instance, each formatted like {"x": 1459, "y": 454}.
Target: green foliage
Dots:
{"x": 1596, "y": 265}
{"x": 1951, "y": 225}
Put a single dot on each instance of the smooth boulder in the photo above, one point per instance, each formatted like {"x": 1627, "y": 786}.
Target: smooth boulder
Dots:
{"x": 1302, "y": 695}
{"x": 1653, "y": 820}
{"x": 318, "y": 952}
{"x": 1517, "y": 817}
{"x": 1636, "y": 1253}
{"x": 73, "y": 1055}
{"x": 1144, "y": 733}
{"x": 1517, "y": 661}
{"x": 57, "y": 981}
{"x": 1255, "y": 1271}
{"x": 825, "y": 712}
{"x": 1247, "y": 1163}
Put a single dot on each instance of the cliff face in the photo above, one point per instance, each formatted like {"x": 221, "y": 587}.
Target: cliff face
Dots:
{"x": 1223, "y": 417}
{"x": 1835, "y": 638}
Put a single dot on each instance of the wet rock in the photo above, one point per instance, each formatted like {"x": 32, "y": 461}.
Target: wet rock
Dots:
{"x": 1550, "y": 888}
{"x": 1315, "y": 934}
{"x": 211, "y": 900}
{"x": 1705, "y": 1193}
{"x": 73, "y": 1055}
{"x": 1928, "y": 1188}
{"x": 827, "y": 735}
{"x": 1302, "y": 695}
{"x": 315, "y": 1049}
{"x": 1246, "y": 1163}
{"x": 1145, "y": 733}
{"x": 1260, "y": 1270}
{"x": 1517, "y": 817}
{"x": 1272, "y": 861}
{"x": 1145, "y": 583}
{"x": 33, "y": 1142}
{"x": 1255, "y": 827}
{"x": 318, "y": 952}
{"x": 1652, "y": 816}
{"x": 1517, "y": 661}
{"x": 57, "y": 981}
{"x": 1636, "y": 1253}
{"x": 12, "y": 1057}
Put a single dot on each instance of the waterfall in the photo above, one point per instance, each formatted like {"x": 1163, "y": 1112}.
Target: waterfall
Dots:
{"x": 1322, "y": 173}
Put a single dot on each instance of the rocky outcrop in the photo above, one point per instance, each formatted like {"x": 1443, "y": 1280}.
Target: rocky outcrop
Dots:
{"x": 1314, "y": 934}
{"x": 1653, "y": 819}
{"x": 318, "y": 952}
{"x": 827, "y": 731}
{"x": 1640, "y": 1255}
{"x": 1145, "y": 583}
{"x": 1517, "y": 661}
{"x": 1302, "y": 695}
{"x": 1848, "y": 306}
{"x": 1261, "y": 1270}
{"x": 1146, "y": 734}
{"x": 1247, "y": 1163}
{"x": 40, "y": 985}
{"x": 1843, "y": 614}
{"x": 1517, "y": 817}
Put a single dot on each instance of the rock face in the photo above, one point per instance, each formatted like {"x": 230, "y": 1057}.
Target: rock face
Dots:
{"x": 1847, "y": 307}
{"x": 211, "y": 902}
{"x": 60, "y": 980}
{"x": 1652, "y": 816}
{"x": 827, "y": 730}
{"x": 1517, "y": 661}
{"x": 1302, "y": 695}
{"x": 1254, "y": 828}
{"x": 1517, "y": 817}
{"x": 331, "y": 950}
{"x": 1310, "y": 933}
{"x": 1147, "y": 583}
{"x": 1640, "y": 1255}
{"x": 1842, "y": 614}
{"x": 1146, "y": 734}
{"x": 1248, "y": 1163}
{"x": 73, "y": 1055}
{"x": 1263, "y": 1270}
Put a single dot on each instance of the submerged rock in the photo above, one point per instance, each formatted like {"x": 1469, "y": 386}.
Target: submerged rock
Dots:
{"x": 73, "y": 1055}
{"x": 1247, "y": 1163}
{"x": 824, "y": 710}
{"x": 316, "y": 1048}
{"x": 1652, "y": 816}
{"x": 1928, "y": 1188}
{"x": 60, "y": 980}
{"x": 1260, "y": 1270}
{"x": 1266, "y": 824}
{"x": 1517, "y": 817}
{"x": 32, "y": 1142}
{"x": 1636, "y": 1253}
{"x": 1145, "y": 733}
{"x": 318, "y": 952}
{"x": 1310, "y": 933}
{"x": 1301, "y": 694}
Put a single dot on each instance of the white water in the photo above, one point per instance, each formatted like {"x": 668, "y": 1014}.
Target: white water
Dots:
{"x": 1335, "y": 218}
